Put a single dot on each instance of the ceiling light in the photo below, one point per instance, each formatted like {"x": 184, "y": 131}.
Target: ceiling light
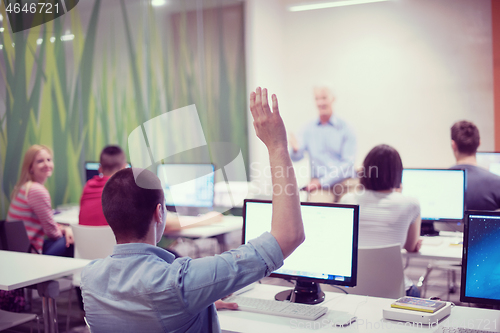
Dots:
{"x": 330, "y": 4}
{"x": 52, "y": 39}
{"x": 39, "y": 41}
{"x": 2, "y": 29}
{"x": 67, "y": 37}
{"x": 157, "y": 3}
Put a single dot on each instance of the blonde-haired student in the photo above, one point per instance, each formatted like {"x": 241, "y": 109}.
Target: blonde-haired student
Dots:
{"x": 31, "y": 203}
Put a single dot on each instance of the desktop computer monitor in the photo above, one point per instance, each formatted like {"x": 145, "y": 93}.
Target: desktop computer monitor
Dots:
{"x": 188, "y": 188}
{"x": 480, "y": 259}
{"x": 489, "y": 161}
{"x": 441, "y": 193}
{"x": 92, "y": 169}
{"x": 328, "y": 255}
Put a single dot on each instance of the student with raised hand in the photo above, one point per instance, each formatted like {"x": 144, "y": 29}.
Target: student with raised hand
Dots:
{"x": 141, "y": 288}
{"x": 386, "y": 216}
{"x": 30, "y": 203}
{"x": 483, "y": 187}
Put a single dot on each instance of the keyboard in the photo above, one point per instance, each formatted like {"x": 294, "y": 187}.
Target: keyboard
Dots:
{"x": 277, "y": 308}
{"x": 459, "y": 330}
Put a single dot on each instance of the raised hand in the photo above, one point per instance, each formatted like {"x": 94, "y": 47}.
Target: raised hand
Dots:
{"x": 268, "y": 125}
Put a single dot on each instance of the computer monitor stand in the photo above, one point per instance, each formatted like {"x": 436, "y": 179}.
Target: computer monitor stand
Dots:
{"x": 427, "y": 229}
{"x": 304, "y": 292}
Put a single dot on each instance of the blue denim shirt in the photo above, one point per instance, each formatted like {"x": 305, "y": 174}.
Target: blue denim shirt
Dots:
{"x": 331, "y": 148}
{"x": 141, "y": 288}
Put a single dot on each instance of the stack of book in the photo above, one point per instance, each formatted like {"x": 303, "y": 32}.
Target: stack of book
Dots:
{"x": 418, "y": 304}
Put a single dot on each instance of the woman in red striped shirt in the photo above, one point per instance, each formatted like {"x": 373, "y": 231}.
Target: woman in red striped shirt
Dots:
{"x": 30, "y": 203}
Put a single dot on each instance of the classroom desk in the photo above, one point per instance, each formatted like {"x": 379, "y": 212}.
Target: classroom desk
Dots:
{"x": 446, "y": 246}
{"x": 444, "y": 250}
{"x": 26, "y": 269}
{"x": 68, "y": 217}
{"x": 216, "y": 230}
{"x": 368, "y": 310}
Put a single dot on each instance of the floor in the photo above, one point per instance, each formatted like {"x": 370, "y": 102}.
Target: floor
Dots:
{"x": 437, "y": 287}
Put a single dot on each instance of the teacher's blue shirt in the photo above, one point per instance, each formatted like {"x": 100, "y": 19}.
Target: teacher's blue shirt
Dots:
{"x": 331, "y": 148}
{"x": 141, "y": 288}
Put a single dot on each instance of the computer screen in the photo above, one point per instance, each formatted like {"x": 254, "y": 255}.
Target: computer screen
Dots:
{"x": 481, "y": 259}
{"x": 489, "y": 161}
{"x": 441, "y": 192}
{"x": 187, "y": 185}
{"x": 92, "y": 169}
{"x": 329, "y": 253}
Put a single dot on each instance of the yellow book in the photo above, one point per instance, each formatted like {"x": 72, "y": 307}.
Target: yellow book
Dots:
{"x": 418, "y": 304}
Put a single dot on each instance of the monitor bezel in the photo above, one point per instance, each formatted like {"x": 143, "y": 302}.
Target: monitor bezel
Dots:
{"x": 463, "y": 297}
{"x": 174, "y": 208}
{"x": 354, "y": 268}
{"x": 86, "y": 179}
{"x": 449, "y": 220}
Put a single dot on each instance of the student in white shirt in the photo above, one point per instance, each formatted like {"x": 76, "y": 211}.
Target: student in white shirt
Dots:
{"x": 386, "y": 216}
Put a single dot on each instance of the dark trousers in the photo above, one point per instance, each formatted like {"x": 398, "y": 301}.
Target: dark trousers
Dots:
{"x": 57, "y": 247}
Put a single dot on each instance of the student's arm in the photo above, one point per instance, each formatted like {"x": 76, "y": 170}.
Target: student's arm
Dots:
{"x": 286, "y": 224}
{"x": 413, "y": 241}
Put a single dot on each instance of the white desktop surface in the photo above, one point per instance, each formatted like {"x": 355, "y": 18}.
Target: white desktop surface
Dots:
{"x": 227, "y": 225}
{"x": 68, "y": 217}
{"x": 25, "y": 269}
{"x": 446, "y": 246}
{"x": 368, "y": 310}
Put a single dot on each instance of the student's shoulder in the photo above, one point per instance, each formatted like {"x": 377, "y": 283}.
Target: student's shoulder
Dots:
{"x": 37, "y": 190}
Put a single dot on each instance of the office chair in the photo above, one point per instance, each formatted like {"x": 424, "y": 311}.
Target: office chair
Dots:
{"x": 11, "y": 319}
{"x": 13, "y": 237}
{"x": 91, "y": 242}
{"x": 380, "y": 272}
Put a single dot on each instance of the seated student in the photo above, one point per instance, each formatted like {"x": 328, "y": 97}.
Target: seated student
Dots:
{"x": 141, "y": 288}
{"x": 112, "y": 159}
{"x": 386, "y": 216}
{"x": 483, "y": 187}
{"x": 30, "y": 203}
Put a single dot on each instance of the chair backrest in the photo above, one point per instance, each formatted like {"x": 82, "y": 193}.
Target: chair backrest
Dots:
{"x": 13, "y": 236}
{"x": 380, "y": 272}
{"x": 93, "y": 242}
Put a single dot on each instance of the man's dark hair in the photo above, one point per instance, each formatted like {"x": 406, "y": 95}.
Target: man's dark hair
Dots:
{"x": 383, "y": 169}
{"x": 112, "y": 159}
{"x": 129, "y": 208}
{"x": 466, "y": 137}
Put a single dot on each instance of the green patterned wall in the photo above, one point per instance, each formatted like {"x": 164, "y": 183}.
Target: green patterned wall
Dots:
{"x": 127, "y": 63}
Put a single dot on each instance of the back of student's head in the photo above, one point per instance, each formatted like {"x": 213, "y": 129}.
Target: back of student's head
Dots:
{"x": 382, "y": 169}
{"x": 466, "y": 137}
{"x": 129, "y": 208}
{"x": 112, "y": 159}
